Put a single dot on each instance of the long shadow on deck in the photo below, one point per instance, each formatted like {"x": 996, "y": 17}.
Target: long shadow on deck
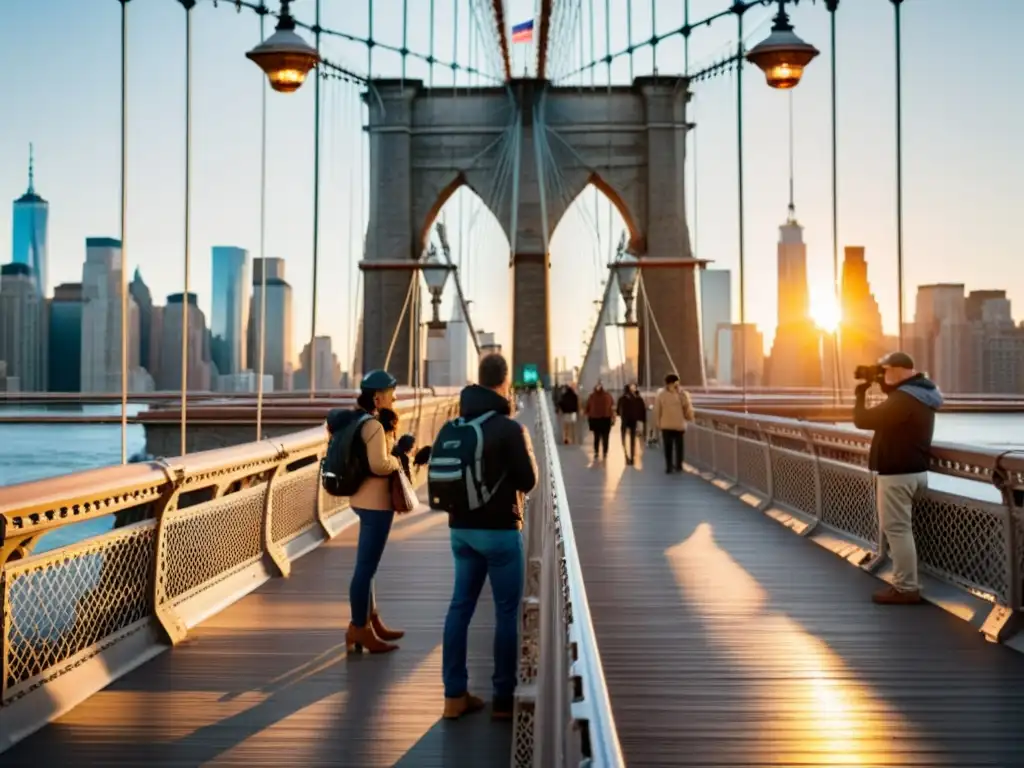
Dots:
{"x": 729, "y": 641}
{"x": 267, "y": 683}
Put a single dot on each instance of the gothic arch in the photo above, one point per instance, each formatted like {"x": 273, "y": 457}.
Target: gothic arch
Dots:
{"x": 449, "y": 189}
{"x": 637, "y": 241}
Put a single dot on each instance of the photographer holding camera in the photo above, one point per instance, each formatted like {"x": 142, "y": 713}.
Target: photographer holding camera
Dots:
{"x": 900, "y": 448}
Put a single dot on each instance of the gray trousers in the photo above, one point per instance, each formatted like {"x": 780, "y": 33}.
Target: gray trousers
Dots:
{"x": 894, "y": 500}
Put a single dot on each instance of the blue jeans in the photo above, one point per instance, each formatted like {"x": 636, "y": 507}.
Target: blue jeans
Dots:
{"x": 479, "y": 554}
{"x": 374, "y": 528}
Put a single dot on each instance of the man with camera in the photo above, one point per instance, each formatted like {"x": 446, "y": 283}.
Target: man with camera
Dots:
{"x": 900, "y": 448}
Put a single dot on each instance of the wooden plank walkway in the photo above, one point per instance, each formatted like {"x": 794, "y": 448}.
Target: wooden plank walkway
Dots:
{"x": 267, "y": 682}
{"x": 729, "y": 641}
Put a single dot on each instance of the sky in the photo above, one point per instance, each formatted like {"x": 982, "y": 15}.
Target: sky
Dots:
{"x": 962, "y": 155}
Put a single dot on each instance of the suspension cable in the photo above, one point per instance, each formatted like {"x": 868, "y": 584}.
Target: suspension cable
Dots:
{"x": 188, "y": 4}
{"x": 261, "y": 367}
{"x": 124, "y": 231}
{"x": 398, "y": 325}
{"x": 316, "y": 212}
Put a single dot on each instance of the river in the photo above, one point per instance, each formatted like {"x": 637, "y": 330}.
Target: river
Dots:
{"x": 38, "y": 451}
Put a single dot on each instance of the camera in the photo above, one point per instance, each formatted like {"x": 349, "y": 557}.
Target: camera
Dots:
{"x": 870, "y": 373}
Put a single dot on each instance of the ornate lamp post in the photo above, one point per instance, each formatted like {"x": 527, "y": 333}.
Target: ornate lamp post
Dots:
{"x": 285, "y": 56}
{"x": 782, "y": 55}
{"x": 435, "y": 273}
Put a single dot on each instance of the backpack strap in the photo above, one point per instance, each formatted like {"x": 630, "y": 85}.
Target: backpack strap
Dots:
{"x": 485, "y": 493}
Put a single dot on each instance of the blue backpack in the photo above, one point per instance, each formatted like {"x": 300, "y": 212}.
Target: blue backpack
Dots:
{"x": 455, "y": 476}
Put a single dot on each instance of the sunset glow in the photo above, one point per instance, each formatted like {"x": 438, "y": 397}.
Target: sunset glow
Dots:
{"x": 825, "y": 311}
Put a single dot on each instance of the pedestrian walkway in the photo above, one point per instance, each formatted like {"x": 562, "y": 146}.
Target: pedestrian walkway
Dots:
{"x": 727, "y": 640}
{"x": 267, "y": 682}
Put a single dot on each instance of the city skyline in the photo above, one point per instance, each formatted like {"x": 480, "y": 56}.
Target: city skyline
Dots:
{"x": 945, "y": 153}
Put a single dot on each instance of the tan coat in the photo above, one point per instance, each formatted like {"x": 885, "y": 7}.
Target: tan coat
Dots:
{"x": 672, "y": 409}
{"x": 375, "y": 492}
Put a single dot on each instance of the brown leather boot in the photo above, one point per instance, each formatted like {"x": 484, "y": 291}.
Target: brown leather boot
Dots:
{"x": 358, "y": 638}
{"x": 892, "y": 596}
{"x": 381, "y": 630}
{"x": 462, "y": 705}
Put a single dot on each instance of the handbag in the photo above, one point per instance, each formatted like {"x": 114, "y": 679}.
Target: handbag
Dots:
{"x": 403, "y": 497}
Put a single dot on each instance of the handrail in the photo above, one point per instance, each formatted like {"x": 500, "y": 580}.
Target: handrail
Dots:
{"x": 815, "y": 478}
{"x": 563, "y": 716}
{"x": 27, "y": 510}
{"x": 968, "y": 462}
{"x": 191, "y": 535}
{"x": 594, "y": 706}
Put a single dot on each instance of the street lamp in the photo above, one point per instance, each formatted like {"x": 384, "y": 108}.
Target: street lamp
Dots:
{"x": 435, "y": 273}
{"x": 285, "y": 56}
{"x": 782, "y": 55}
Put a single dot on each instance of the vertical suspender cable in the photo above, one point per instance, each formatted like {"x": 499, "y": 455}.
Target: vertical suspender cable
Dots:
{"x": 686, "y": 37}
{"x": 261, "y": 364}
{"x": 369, "y": 40}
{"x": 189, "y": 4}
{"x": 430, "y": 77}
{"x": 124, "y": 232}
{"x": 629, "y": 36}
{"x": 837, "y": 339}
{"x": 455, "y": 49}
{"x": 654, "y": 36}
{"x": 349, "y": 338}
{"x": 592, "y": 62}
{"x": 316, "y": 213}
{"x": 405, "y": 37}
{"x": 899, "y": 167}
{"x": 363, "y": 143}
{"x": 739, "y": 172}
{"x": 608, "y": 41}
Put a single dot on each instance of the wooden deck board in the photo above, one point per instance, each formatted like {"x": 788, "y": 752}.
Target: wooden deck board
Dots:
{"x": 729, "y": 641}
{"x": 267, "y": 682}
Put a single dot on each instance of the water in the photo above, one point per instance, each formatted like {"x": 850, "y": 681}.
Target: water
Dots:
{"x": 989, "y": 430}
{"x": 39, "y": 451}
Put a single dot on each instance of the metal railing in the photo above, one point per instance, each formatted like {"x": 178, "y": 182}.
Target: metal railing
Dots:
{"x": 819, "y": 474}
{"x": 563, "y": 716}
{"x": 190, "y": 536}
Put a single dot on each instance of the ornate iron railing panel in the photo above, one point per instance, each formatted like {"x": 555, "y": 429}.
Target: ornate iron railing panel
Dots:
{"x": 184, "y": 529}
{"x": 563, "y": 715}
{"x": 820, "y": 473}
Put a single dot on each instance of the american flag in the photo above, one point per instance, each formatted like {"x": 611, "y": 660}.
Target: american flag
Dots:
{"x": 523, "y": 33}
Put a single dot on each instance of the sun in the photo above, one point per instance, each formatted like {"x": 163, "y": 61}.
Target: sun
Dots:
{"x": 825, "y": 310}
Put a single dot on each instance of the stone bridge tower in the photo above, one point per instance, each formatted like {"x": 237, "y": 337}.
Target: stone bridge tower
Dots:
{"x": 536, "y": 145}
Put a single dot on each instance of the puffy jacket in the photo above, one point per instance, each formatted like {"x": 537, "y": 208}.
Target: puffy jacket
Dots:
{"x": 631, "y": 408}
{"x": 507, "y": 448}
{"x": 376, "y": 456}
{"x": 903, "y": 424}
{"x": 568, "y": 401}
{"x": 600, "y": 405}
{"x": 673, "y": 409}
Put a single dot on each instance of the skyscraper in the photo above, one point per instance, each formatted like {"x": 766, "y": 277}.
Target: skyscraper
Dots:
{"x": 144, "y": 301}
{"x": 22, "y": 327}
{"x": 795, "y": 359}
{"x": 101, "y": 319}
{"x": 715, "y": 310}
{"x": 31, "y": 213}
{"x": 278, "y": 355}
{"x": 328, "y": 369}
{"x": 170, "y": 346}
{"x": 229, "y": 318}
{"x": 65, "y": 334}
{"x": 861, "y": 339}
